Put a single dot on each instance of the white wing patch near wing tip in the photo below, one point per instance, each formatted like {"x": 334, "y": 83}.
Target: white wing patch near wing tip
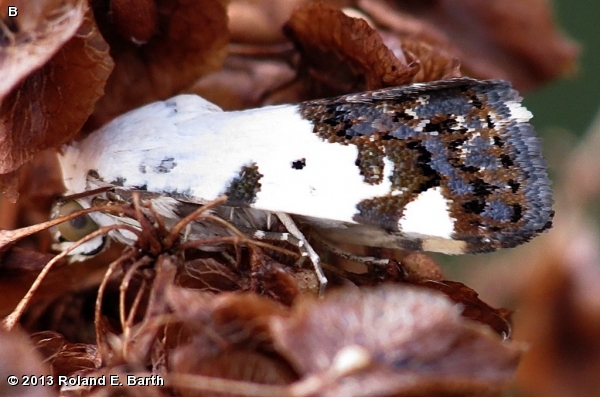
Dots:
{"x": 518, "y": 111}
{"x": 428, "y": 215}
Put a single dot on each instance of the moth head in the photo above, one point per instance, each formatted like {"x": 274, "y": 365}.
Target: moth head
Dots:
{"x": 68, "y": 233}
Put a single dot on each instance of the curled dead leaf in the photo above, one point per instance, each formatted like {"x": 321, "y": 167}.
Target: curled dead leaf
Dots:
{"x": 392, "y": 340}
{"x": 436, "y": 62}
{"x": 244, "y": 82}
{"x": 514, "y": 40}
{"x": 135, "y": 20}
{"x": 260, "y": 21}
{"x": 473, "y": 308}
{"x": 49, "y": 107}
{"x": 30, "y": 39}
{"x": 344, "y": 53}
{"x": 225, "y": 336}
{"x": 18, "y": 357}
{"x": 190, "y": 40}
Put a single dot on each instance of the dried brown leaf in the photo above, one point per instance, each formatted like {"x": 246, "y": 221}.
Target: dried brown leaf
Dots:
{"x": 244, "y": 82}
{"x": 18, "y": 269}
{"x": 420, "y": 267}
{"x": 238, "y": 364}
{"x": 49, "y": 107}
{"x": 9, "y": 186}
{"x": 514, "y": 40}
{"x": 345, "y": 53}
{"x": 392, "y": 340}
{"x": 64, "y": 357}
{"x": 30, "y": 39}
{"x": 190, "y": 40}
{"x": 134, "y": 20}
{"x": 473, "y": 308}
{"x": 19, "y": 358}
{"x": 272, "y": 279}
{"x": 227, "y": 310}
{"x": 211, "y": 275}
{"x": 260, "y": 21}
{"x": 258, "y": 273}
{"x": 225, "y": 335}
{"x": 436, "y": 62}
{"x": 40, "y": 184}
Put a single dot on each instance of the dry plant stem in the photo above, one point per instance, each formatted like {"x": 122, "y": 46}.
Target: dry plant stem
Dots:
{"x": 151, "y": 239}
{"x": 87, "y": 193}
{"x": 239, "y": 238}
{"x": 98, "y": 307}
{"x": 219, "y": 385}
{"x": 209, "y": 241}
{"x": 159, "y": 219}
{"x": 223, "y": 223}
{"x": 123, "y": 290}
{"x": 134, "y": 306}
{"x": 9, "y": 322}
{"x": 10, "y": 236}
{"x": 241, "y": 235}
{"x": 273, "y": 247}
{"x": 174, "y": 234}
{"x": 235, "y": 240}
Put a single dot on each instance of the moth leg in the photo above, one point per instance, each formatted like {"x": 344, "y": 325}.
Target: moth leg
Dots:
{"x": 305, "y": 248}
{"x": 296, "y": 242}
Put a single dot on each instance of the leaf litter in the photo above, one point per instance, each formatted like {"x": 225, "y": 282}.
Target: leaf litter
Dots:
{"x": 242, "y": 318}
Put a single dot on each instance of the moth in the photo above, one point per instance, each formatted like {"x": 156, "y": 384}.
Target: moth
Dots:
{"x": 449, "y": 166}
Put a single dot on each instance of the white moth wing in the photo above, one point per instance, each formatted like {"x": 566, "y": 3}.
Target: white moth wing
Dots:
{"x": 187, "y": 146}
{"x": 450, "y": 166}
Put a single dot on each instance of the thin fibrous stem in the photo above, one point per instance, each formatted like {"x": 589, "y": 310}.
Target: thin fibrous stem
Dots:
{"x": 10, "y": 321}
{"x": 175, "y": 230}
{"x": 124, "y": 286}
{"x": 98, "y": 308}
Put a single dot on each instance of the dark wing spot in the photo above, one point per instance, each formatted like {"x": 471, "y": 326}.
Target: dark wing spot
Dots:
{"x": 244, "y": 188}
{"x": 482, "y": 188}
{"x": 506, "y": 161}
{"x": 474, "y": 206}
{"x": 299, "y": 164}
{"x": 514, "y": 186}
{"x": 165, "y": 166}
{"x": 120, "y": 181}
{"x": 517, "y": 213}
{"x": 94, "y": 175}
